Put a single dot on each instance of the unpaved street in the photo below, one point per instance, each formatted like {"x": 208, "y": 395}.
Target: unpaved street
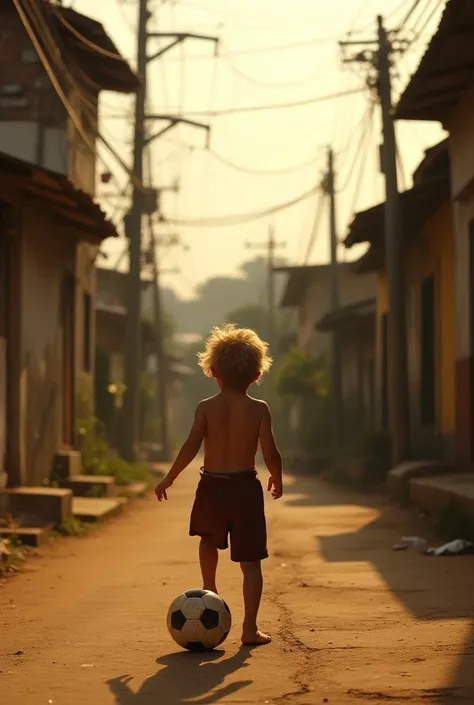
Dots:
{"x": 353, "y": 621}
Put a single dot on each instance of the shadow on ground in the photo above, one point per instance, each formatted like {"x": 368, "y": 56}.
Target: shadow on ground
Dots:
{"x": 430, "y": 588}
{"x": 185, "y": 677}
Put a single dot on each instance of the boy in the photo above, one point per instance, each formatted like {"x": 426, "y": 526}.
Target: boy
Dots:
{"x": 229, "y": 497}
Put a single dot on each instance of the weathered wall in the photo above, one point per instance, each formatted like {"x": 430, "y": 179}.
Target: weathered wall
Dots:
{"x": 317, "y": 302}
{"x": 47, "y": 253}
{"x": 461, "y": 142}
{"x": 431, "y": 253}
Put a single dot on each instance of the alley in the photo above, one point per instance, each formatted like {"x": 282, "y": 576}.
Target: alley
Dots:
{"x": 353, "y": 621}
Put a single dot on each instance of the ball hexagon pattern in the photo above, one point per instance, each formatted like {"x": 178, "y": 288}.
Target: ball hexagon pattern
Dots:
{"x": 199, "y": 620}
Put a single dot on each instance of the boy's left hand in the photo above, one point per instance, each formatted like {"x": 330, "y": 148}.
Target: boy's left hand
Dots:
{"x": 275, "y": 487}
{"x": 160, "y": 489}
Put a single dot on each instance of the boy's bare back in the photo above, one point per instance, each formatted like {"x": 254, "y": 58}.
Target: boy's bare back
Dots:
{"x": 233, "y": 424}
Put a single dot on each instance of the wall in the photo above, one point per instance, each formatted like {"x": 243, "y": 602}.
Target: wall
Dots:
{"x": 317, "y": 302}
{"x": 461, "y": 143}
{"x": 358, "y": 391}
{"x": 47, "y": 253}
{"x": 431, "y": 253}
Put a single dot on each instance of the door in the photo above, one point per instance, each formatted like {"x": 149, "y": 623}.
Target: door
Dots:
{"x": 4, "y": 324}
{"x": 68, "y": 341}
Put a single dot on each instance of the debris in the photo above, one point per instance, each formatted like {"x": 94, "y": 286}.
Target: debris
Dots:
{"x": 303, "y": 585}
{"x": 4, "y": 550}
{"x": 87, "y": 665}
{"x": 19, "y": 653}
{"x": 407, "y": 541}
{"x": 459, "y": 547}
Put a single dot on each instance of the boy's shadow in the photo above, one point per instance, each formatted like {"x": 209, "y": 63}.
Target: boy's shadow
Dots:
{"x": 185, "y": 678}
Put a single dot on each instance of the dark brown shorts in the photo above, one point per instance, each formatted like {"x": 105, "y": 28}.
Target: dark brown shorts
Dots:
{"x": 231, "y": 504}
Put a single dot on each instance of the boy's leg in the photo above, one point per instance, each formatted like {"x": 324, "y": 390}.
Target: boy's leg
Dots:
{"x": 208, "y": 557}
{"x": 253, "y": 586}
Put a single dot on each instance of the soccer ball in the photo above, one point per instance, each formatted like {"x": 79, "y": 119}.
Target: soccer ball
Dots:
{"x": 199, "y": 620}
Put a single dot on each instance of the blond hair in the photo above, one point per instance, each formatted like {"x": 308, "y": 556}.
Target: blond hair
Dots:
{"x": 235, "y": 355}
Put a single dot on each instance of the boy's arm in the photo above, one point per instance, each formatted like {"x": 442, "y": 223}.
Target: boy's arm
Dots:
{"x": 187, "y": 453}
{"x": 271, "y": 454}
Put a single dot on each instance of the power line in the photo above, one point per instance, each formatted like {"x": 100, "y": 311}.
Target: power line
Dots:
{"x": 256, "y": 50}
{"x": 315, "y": 230}
{"x": 367, "y": 122}
{"x": 241, "y": 218}
{"x": 266, "y": 84}
{"x": 261, "y": 172}
{"x": 274, "y": 106}
{"x": 87, "y": 42}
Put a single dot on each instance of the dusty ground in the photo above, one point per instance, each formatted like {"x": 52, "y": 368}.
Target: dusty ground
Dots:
{"x": 353, "y": 621}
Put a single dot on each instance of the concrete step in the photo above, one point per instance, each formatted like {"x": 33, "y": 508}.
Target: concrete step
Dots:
{"x": 31, "y": 536}
{"x": 67, "y": 463}
{"x": 92, "y": 486}
{"x": 96, "y": 508}
{"x": 134, "y": 490}
{"x": 51, "y": 505}
{"x": 435, "y": 493}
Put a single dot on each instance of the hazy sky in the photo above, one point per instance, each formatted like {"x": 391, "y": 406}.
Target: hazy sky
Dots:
{"x": 273, "y": 52}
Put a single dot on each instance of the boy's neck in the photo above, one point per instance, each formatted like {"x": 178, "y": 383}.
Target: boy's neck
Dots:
{"x": 234, "y": 391}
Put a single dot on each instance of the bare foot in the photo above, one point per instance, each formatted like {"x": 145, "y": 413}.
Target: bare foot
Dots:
{"x": 255, "y": 638}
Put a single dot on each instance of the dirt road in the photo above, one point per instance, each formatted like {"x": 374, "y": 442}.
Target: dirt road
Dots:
{"x": 353, "y": 621}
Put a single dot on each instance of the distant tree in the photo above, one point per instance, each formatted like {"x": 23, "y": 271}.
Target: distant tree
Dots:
{"x": 251, "y": 316}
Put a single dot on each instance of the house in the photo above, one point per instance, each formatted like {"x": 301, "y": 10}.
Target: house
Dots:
{"x": 308, "y": 291}
{"x": 429, "y": 284}
{"x": 442, "y": 90}
{"x": 355, "y": 325}
{"x": 43, "y": 217}
{"x": 55, "y": 62}
{"x": 110, "y": 346}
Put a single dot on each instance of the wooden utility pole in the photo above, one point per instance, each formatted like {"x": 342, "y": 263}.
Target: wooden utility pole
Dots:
{"x": 336, "y": 386}
{"x": 270, "y": 247}
{"x": 399, "y": 405}
{"x": 380, "y": 57}
{"x": 133, "y": 227}
{"x": 130, "y": 417}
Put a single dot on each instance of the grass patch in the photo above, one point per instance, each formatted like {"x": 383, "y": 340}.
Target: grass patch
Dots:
{"x": 12, "y": 553}
{"x": 98, "y": 458}
{"x": 73, "y": 527}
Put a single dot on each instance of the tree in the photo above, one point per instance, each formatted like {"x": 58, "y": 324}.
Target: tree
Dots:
{"x": 252, "y": 316}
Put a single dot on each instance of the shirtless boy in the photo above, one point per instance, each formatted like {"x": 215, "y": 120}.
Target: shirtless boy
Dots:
{"x": 229, "y": 497}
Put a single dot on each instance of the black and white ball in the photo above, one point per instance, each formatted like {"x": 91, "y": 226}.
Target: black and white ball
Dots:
{"x": 199, "y": 620}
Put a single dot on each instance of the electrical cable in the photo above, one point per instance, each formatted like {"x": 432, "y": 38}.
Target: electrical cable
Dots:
{"x": 256, "y": 50}
{"x": 87, "y": 42}
{"x": 366, "y": 127}
{"x": 316, "y": 223}
{"x": 274, "y": 106}
{"x": 241, "y": 218}
{"x": 261, "y": 172}
{"x": 419, "y": 30}
{"x": 265, "y": 84}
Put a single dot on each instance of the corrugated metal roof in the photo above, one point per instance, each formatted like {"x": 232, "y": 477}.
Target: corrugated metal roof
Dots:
{"x": 446, "y": 70}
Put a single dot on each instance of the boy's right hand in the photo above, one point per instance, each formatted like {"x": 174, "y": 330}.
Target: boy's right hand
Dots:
{"x": 275, "y": 487}
{"x": 160, "y": 489}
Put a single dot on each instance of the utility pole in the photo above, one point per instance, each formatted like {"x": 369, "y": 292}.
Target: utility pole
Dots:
{"x": 133, "y": 227}
{"x": 271, "y": 246}
{"x": 380, "y": 59}
{"x": 140, "y": 205}
{"x": 336, "y": 387}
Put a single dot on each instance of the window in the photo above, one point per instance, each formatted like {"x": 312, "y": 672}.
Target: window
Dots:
{"x": 87, "y": 332}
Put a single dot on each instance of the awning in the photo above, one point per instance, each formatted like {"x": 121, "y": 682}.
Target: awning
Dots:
{"x": 58, "y": 196}
{"x": 346, "y": 317}
{"x": 446, "y": 70}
